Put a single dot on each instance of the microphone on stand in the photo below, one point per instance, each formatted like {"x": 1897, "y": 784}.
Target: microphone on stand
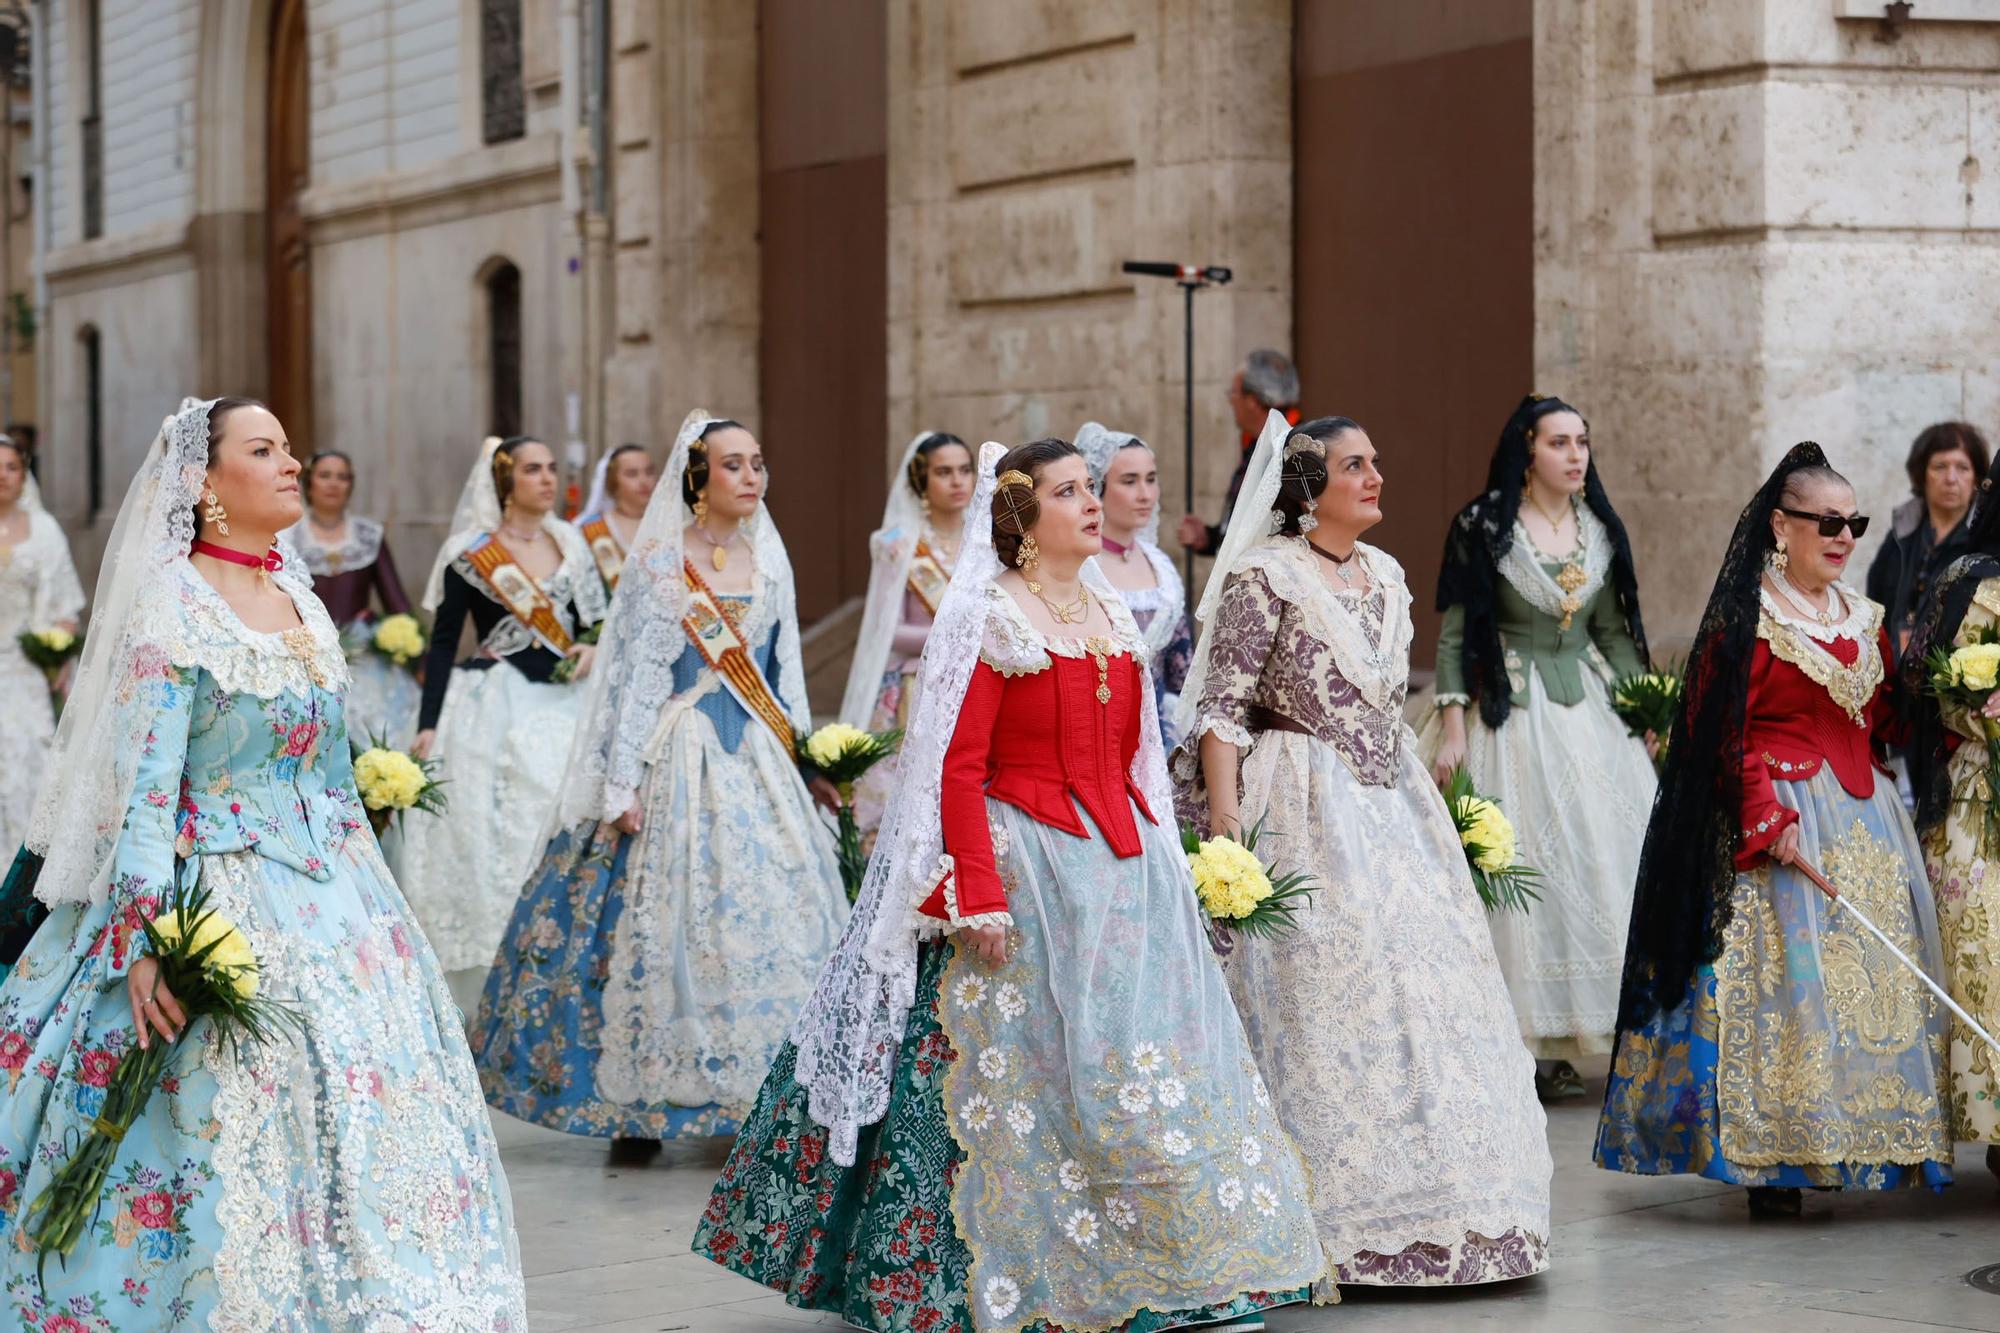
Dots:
{"x": 1190, "y": 278}
{"x": 1193, "y": 273}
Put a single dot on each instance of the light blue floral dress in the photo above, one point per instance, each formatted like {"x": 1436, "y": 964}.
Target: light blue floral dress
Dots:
{"x": 346, "y": 1180}
{"x": 647, "y": 981}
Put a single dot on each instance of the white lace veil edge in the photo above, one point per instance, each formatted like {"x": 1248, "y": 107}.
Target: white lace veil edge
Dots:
{"x": 93, "y": 762}
{"x": 892, "y": 548}
{"x": 848, "y": 1033}
{"x": 632, "y": 676}
{"x": 599, "y": 498}
{"x": 1099, "y": 444}
{"x": 1249, "y": 525}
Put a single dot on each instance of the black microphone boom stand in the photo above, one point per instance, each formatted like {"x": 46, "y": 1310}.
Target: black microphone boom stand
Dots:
{"x": 1190, "y": 278}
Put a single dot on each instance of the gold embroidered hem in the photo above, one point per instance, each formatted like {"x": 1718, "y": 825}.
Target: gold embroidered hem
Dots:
{"x": 1828, "y": 1049}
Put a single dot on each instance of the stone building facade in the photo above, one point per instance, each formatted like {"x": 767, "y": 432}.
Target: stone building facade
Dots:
{"x": 1720, "y": 225}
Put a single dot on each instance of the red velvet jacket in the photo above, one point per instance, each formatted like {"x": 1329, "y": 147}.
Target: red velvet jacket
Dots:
{"x": 1794, "y": 725}
{"x": 1040, "y": 741}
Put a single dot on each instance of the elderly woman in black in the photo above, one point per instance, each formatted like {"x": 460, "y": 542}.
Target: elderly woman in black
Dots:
{"x": 1927, "y": 530}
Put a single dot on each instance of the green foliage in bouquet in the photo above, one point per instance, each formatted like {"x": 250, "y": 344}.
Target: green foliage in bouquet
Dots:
{"x": 565, "y": 671}
{"x": 843, "y": 754}
{"x": 1488, "y": 840}
{"x": 1648, "y": 702}
{"x": 392, "y": 782}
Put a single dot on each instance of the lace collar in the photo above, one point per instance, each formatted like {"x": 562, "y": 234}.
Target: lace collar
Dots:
{"x": 1803, "y": 644}
{"x": 356, "y": 551}
{"x": 1523, "y": 566}
{"x": 1859, "y": 617}
{"x": 1377, "y": 663}
{"x": 1014, "y": 647}
{"x": 1165, "y": 599}
{"x": 197, "y": 628}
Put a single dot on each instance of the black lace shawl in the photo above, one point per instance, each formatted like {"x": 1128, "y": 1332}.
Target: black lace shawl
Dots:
{"x": 1687, "y": 872}
{"x": 1479, "y": 537}
{"x": 1938, "y": 621}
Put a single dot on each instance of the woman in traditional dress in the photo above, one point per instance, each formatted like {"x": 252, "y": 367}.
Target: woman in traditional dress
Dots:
{"x": 352, "y": 573}
{"x": 1765, "y": 1039}
{"x": 38, "y": 591}
{"x": 1048, "y": 1117}
{"x": 1381, "y": 1023}
{"x": 619, "y": 493}
{"x": 1951, "y": 770}
{"x": 913, "y": 552}
{"x": 1541, "y": 617}
{"x": 340, "y": 1176}
{"x": 502, "y": 719}
{"x": 661, "y": 950}
{"x": 1126, "y": 477}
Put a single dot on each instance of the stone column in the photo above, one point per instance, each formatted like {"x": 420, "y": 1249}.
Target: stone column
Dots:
{"x": 1032, "y": 147}
{"x": 684, "y": 215}
{"x": 1759, "y": 223}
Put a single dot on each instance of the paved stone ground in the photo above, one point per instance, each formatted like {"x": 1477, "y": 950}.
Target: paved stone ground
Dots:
{"x": 607, "y": 1250}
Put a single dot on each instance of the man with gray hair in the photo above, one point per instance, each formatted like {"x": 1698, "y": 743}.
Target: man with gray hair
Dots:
{"x": 1266, "y": 381}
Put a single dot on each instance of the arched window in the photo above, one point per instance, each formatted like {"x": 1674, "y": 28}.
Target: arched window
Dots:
{"x": 92, "y": 128}
{"x": 503, "y": 98}
{"x": 503, "y": 347}
{"x": 93, "y": 414}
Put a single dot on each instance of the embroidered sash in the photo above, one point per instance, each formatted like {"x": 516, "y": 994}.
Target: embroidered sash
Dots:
{"x": 514, "y": 588}
{"x": 605, "y": 550}
{"x": 713, "y": 631}
{"x": 928, "y": 577}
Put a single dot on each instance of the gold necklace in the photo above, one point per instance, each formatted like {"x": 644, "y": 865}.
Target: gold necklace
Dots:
{"x": 1571, "y": 577}
{"x": 1099, "y": 647}
{"x": 718, "y": 552}
{"x": 1066, "y": 613}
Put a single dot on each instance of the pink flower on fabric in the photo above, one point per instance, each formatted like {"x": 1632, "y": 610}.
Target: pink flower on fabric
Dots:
{"x": 154, "y": 1210}
{"x": 14, "y": 1048}
{"x": 301, "y": 739}
{"x": 96, "y": 1068}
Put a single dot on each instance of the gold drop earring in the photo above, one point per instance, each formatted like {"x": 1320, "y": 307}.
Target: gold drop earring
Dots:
{"x": 215, "y": 514}
{"x": 1779, "y": 560}
{"x": 701, "y": 507}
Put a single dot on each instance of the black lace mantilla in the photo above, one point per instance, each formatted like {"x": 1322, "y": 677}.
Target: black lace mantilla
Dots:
{"x": 1938, "y": 620}
{"x": 1481, "y": 535}
{"x": 1687, "y": 872}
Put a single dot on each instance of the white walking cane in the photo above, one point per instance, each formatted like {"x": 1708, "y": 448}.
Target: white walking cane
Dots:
{"x": 1840, "y": 902}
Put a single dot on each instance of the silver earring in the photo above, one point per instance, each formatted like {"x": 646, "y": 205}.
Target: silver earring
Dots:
{"x": 1306, "y": 520}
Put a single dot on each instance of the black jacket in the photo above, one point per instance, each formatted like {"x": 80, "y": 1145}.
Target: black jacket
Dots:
{"x": 1909, "y": 561}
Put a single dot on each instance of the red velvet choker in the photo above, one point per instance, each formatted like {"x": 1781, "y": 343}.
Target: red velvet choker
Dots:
{"x": 266, "y": 565}
{"x": 1113, "y": 547}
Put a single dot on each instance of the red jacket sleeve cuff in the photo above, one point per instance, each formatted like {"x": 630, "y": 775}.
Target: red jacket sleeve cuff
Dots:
{"x": 1760, "y": 830}
{"x": 950, "y": 905}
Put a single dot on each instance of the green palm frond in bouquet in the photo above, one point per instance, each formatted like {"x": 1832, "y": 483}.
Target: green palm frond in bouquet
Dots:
{"x": 207, "y": 965}
{"x": 843, "y": 754}
{"x": 1238, "y": 891}
{"x": 1488, "y": 839}
{"x": 1647, "y": 702}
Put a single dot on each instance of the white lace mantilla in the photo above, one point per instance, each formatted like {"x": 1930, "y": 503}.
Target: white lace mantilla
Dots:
{"x": 1378, "y": 665}
{"x": 1522, "y": 565}
{"x": 357, "y": 550}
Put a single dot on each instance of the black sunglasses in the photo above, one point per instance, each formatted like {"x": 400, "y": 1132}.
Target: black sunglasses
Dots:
{"x": 1831, "y": 524}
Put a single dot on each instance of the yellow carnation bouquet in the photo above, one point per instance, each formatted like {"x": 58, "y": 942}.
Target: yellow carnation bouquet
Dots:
{"x": 842, "y": 754}
{"x": 1965, "y": 677}
{"x": 207, "y": 965}
{"x": 50, "y": 648}
{"x": 392, "y": 781}
{"x": 1488, "y": 839}
{"x": 1238, "y": 891}
{"x": 400, "y": 638}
